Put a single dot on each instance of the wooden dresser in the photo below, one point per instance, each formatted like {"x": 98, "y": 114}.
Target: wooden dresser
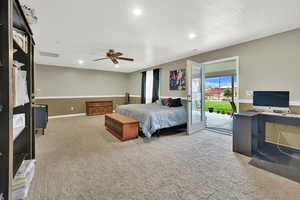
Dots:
{"x": 98, "y": 107}
{"x": 123, "y": 127}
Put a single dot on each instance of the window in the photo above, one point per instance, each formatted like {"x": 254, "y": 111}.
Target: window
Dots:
{"x": 150, "y": 86}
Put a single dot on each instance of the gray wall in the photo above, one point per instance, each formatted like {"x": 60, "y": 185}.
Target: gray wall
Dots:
{"x": 135, "y": 79}
{"x": 220, "y": 67}
{"x": 271, "y": 63}
{"x": 62, "y": 81}
{"x": 134, "y": 83}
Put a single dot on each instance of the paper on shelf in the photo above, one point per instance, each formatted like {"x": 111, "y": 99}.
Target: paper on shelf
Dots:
{"x": 19, "y": 120}
{"x": 17, "y": 132}
{"x": 21, "y": 40}
{"x": 18, "y": 64}
{"x": 18, "y": 124}
{"x": 20, "y": 93}
{"x": 23, "y": 179}
{"x": 24, "y": 171}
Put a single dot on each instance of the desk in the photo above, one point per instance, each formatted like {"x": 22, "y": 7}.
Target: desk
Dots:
{"x": 249, "y": 132}
{"x": 249, "y": 129}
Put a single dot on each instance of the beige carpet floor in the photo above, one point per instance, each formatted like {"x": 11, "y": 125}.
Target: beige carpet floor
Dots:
{"x": 78, "y": 159}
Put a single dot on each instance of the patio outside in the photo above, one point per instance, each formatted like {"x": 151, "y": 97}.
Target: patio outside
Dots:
{"x": 219, "y": 92}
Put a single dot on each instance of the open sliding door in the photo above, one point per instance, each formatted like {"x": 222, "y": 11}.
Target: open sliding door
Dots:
{"x": 195, "y": 97}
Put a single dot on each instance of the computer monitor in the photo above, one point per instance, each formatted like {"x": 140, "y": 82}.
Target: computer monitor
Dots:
{"x": 275, "y": 99}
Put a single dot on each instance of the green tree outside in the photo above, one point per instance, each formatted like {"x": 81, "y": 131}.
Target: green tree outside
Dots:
{"x": 228, "y": 92}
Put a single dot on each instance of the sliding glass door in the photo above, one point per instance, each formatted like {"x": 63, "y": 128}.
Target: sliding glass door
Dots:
{"x": 195, "y": 97}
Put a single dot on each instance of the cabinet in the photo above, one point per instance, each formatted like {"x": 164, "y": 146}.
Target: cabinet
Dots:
{"x": 41, "y": 117}
{"x": 244, "y": 133}
{"x": 99, "y": 107}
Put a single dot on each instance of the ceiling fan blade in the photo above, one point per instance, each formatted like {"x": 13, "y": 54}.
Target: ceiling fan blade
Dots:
{"x": 114, "y": 60}
{"x": 128, "y": 59}
{"x": 118, "y": 54}
{"x": 100, "y": 59}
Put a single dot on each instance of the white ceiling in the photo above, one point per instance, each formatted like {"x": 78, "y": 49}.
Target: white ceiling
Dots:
{"x": 86, "y": 29}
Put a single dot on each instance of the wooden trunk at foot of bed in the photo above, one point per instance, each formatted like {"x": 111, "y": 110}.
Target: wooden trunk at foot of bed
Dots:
{"x": 123, "y": 127}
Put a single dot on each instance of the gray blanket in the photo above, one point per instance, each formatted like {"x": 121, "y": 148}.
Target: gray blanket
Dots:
{"x": 153, "y": 117}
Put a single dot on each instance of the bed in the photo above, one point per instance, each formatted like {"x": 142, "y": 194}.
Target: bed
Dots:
{"x": 154, "y": 117}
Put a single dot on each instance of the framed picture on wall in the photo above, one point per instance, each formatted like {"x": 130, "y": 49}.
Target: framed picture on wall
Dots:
{"x": 177, "y": 79}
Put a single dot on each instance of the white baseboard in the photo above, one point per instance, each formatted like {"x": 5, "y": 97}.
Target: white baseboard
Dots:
{"x": 138, "y": 96}
{"x": 66, "y": 116}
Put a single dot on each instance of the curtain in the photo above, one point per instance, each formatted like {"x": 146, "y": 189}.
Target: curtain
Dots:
{"x": 143, "y": 92}
{"x": 155, "y": 92}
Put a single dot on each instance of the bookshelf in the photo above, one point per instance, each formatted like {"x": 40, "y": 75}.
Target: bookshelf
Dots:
{"x": 17, "y": 44}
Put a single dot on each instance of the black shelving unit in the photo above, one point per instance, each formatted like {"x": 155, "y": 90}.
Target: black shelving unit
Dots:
{"x": 14, "y": 151}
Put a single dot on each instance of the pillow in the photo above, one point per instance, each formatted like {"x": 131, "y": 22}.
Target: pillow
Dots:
{"x": 165, "y": 102}
{"x": 159, "y": 102}
{"x": 175, "y": 103}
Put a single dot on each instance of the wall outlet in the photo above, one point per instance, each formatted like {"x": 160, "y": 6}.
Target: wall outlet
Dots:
{"x": 72, "y": 108}
{"x": 249, "y": 93}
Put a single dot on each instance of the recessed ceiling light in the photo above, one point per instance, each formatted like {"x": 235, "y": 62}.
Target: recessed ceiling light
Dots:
{"x": 80, "y": 62}
{"x": 137, "y": 11}
{"x": 192, "y": 35}
{"x": 117, "y": 66}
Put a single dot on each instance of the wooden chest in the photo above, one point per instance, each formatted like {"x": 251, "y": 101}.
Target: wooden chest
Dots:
{"x": 99, "y": 107}
{"x": 123, "y": 127}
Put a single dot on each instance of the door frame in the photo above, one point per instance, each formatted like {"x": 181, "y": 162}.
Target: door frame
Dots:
{"x": 237, "y": 63}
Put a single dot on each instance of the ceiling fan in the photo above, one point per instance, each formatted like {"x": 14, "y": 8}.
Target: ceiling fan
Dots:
{"x": 114, "y": 57}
